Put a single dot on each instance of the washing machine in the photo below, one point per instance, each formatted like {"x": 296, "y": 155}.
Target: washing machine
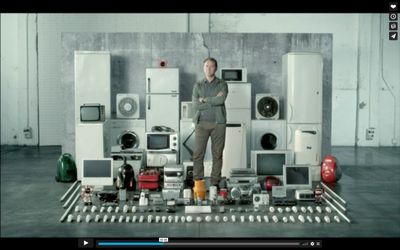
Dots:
{"x": 131, "y": 134}
{"x": 268, "y": 134}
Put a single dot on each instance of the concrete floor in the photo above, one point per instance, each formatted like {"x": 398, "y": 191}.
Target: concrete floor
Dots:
{"x": 30, "y": 205}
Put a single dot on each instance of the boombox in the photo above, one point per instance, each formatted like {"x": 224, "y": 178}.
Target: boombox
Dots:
{"x": 244, "y": 192}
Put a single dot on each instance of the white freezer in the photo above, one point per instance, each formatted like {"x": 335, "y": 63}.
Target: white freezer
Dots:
{"x": 92, "y": 80}
{"x": 91, "y": 141}
{"x": 239, "y": 96}
{"x": 162, "y": 110}
{"x": 242, "y": 116}
{"x": 162, "y": 80}
{"x": 302, "y": 76}
{"x": 238, "y": 108}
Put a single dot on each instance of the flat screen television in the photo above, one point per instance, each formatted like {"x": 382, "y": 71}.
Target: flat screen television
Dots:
{"x": 97, "y": 172}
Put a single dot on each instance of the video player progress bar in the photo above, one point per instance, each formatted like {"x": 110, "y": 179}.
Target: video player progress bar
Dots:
{"x": 271, "y": 244}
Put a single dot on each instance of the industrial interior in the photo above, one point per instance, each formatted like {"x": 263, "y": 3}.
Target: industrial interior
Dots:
{"x": 98, "y": 130}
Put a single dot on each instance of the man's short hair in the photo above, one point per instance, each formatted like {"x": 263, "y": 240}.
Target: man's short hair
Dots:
{"x": 212, "y": 59}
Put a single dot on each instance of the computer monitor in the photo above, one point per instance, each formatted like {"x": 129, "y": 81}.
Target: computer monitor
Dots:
{"x": 97, "y": 172}
{"x": 269, "y": 162}
{"x": 297, "y": 176}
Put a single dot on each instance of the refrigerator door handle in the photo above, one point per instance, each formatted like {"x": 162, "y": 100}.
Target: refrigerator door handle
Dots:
{"x": 290, "y": 109}
{"x": 290, "y": 135}
{"x": 149, "y": 102}
{"x": 148, "y": 85}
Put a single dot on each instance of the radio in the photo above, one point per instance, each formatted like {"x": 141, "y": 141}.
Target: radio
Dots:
{"x": 304, "y": 195}
{"x": 278, "y": 191}
{"x": 173, "y": 185}
{"x": 160, "y": 159}
{"x": 173, "y": 173}
{"x": 171, "y": 194}
{"x": 241, "y": 177}
{"x": 244, "y": 192}
{"x": 260, "y": 199}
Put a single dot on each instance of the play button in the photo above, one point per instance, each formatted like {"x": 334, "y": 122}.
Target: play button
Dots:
{"x": 85, "y": 243}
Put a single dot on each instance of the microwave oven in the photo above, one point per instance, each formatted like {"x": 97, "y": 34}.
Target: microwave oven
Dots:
{"x": 234, "y": 74}
{"x": 162, "y": 141}
{"x": 92, "y": 113}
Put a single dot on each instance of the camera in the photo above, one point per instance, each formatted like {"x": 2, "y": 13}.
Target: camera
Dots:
{"x": 260, "y": 199}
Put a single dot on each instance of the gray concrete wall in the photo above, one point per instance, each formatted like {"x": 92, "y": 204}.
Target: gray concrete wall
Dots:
{"x": 132, "y": 53}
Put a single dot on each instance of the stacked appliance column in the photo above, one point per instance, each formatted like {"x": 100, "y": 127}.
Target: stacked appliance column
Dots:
{"x": 92, "y": 85}
{"x": 302, "y": 77}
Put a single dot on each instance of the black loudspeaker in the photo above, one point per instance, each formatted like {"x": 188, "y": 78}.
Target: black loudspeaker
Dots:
{"x": 189, "y": 177}
{"x": 126, "y": 177}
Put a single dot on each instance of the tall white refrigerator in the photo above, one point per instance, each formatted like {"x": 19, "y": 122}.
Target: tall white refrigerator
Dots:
{"x": 92, "y": 85}
{"x": 162, "y": 98}
{"x": 302, "y": 77}
{"x": 238, "y": 110}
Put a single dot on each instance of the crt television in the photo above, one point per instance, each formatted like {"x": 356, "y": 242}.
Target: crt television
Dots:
{"x": 297, "y": 176}
{"x": 97, "y": 172}
{"x": 269, "y": 162}
{"x": 92, "y": 113}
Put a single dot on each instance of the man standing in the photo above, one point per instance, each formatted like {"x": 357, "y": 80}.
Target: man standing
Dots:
{"x": 208, "y": 97}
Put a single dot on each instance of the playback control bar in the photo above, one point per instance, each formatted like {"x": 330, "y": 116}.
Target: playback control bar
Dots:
{"x": 203, "y": 242}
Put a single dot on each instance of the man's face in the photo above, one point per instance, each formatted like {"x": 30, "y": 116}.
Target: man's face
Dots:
{"x": 209, "y": 68}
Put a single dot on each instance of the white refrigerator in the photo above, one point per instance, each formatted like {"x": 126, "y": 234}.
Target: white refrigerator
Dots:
{"x": 92, "y": 80}
{"x": 91, "y": 142}
{"x": 162, "y": 98}
{"x": 302, "y": 75}
{"x": 302, "y": 78}
{"x": 92, "y": 73}
{"x": 238, "y": 110}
